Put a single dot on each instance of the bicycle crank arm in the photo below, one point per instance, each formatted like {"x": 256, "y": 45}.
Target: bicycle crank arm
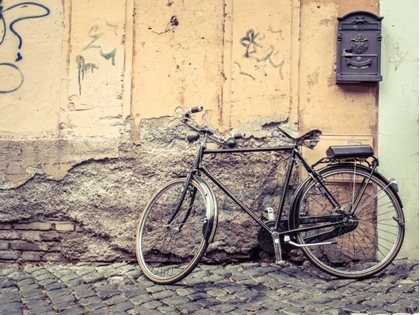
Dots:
{"x": 287, "y": 240}
{"x": 277, "y": 250}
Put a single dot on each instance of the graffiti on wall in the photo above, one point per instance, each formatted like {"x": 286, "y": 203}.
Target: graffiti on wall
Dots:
{"x": 95, "y": 33}
{"x": 395, "y": 52}
{"x": 9, "y": 68}
{"x": 261, "y": 52}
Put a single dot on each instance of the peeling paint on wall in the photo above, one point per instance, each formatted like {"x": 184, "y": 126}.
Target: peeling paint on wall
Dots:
{"x": 87, "y": 115}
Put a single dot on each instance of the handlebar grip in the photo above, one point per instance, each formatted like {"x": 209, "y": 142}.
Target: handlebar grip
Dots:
{"x": 193, "y": 137}
{"x": 196, "y": 109}
{"x": 231, "y": 143}
{"x": 239, "y": 135}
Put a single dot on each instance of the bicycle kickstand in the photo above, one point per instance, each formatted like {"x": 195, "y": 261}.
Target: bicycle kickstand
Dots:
{"x": 277, "y": 249}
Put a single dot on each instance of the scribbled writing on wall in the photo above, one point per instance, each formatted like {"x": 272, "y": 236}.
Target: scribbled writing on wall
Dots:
{"x": 95, "y": 33}
{"x": 9, "y": 68}
{"x": 82, "y": 67}
{"x": 394, "y": 51}
{"x": 261, "y": 52}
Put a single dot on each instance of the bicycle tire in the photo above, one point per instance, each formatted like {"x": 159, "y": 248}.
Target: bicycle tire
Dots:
{"x": 168, "y": 252}
{"x": 373, "y": 239}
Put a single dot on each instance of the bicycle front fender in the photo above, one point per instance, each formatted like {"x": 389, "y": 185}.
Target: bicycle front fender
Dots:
{"x": 211, "y": 210}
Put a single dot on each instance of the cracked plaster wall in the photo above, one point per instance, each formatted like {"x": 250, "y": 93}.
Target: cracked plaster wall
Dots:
{"x": 87, "y": 117}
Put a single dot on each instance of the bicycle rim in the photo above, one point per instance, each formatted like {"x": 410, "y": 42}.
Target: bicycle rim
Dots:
{"x": 170, "y": 243}
{"x": 373, "y": 234}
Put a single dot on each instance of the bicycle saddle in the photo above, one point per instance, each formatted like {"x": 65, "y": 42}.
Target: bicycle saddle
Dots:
{"x": 298, "y": 136}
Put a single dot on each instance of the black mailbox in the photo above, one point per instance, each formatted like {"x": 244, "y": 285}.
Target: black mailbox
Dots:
{"x": 359, "y": 48}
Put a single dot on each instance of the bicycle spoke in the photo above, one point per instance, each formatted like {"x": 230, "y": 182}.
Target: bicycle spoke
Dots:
{"x": 369, "y": 237}
{"x": 171, "y": 242}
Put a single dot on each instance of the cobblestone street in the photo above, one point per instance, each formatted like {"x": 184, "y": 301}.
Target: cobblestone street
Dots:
{"x": 246, "y": 288}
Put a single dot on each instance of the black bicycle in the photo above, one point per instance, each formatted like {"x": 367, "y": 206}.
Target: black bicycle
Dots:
{"x": 345, "y": 216}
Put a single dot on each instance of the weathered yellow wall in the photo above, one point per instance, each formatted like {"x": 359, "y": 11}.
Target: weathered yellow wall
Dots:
{"x": 178, "y": 58}
{"x": 95, "y": 55}
{"x": 31, "y": 69}
{"x": 276, "y": 64}
{"x": 61, "y": 91}
{"x": 89, "y": 90}
{"x": 87, "y": 70}
{"x": 335, "y": 109}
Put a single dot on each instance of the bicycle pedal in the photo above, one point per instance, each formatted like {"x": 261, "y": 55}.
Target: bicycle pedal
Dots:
{"x": 282, "y": 263}
{"x": 277, "y": 246}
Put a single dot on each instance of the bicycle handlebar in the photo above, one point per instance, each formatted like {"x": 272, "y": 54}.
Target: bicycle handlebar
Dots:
{"x": 193, "y": 110}
{"x": 239, "y": 135}
{"x": 308, "y": 139}
{"x": 186, "y": 119}
{"x": 196, "y": 109}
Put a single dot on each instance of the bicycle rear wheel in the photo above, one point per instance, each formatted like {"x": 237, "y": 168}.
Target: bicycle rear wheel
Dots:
{"x": 373, "y": 232}
{"x": 170, "y": 242}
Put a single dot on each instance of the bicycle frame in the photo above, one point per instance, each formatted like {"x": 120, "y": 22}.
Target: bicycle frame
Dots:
{"x": 345, "y": 194}
{"x": 294, "y": 154}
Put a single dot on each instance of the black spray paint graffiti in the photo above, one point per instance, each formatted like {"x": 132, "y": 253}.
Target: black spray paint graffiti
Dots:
{"x": 82, "y": 67}
{"x": 263, "y": 55}
{"x": 249, "y": 42}
{"x": 9, "y": 69}
{"x": 95, "y": 35}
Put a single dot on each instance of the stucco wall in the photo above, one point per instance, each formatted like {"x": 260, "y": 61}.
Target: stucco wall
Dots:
{"x": 89, "y": 93}
{"x": 399, "y": 110}
{"x": 89, "y": 71}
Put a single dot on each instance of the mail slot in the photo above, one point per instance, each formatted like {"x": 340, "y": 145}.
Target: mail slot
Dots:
{"x": 359, "y": 48}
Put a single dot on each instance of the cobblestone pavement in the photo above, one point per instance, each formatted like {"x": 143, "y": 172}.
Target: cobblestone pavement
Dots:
{"x": 246, "y": 288}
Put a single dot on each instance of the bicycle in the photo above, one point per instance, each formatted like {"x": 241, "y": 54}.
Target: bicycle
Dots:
{"x": 345, "y": 216}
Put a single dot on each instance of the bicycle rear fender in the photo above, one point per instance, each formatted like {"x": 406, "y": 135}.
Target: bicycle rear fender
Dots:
{"x": 212, "y": 211}
{"x": 300, "y": 189}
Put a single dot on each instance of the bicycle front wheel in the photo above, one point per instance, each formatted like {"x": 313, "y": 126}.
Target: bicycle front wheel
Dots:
{"x": 372, "y": 229}
{"x": 170, "y": 238}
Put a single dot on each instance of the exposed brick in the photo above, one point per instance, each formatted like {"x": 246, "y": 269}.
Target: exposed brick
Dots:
{"x": 28, "y": 246}
{"x": 30, "y": 236}
{"x": 4, "y": 245}
{"x": 32, "y": 256}
{"x": 52, "y": 257}
{"x": 64, "y": 226}
{"x": 5, "y": 226}
{"x": 9, "y": 235}
{"x": 9, "y": 255}
{"x": 42, "y": 226}
{"x": 50, "y": 236}
{"x": 54, "y": 247}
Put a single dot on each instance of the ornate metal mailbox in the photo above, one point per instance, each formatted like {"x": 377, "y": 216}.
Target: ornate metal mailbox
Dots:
{"x": 359, "y": 48}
